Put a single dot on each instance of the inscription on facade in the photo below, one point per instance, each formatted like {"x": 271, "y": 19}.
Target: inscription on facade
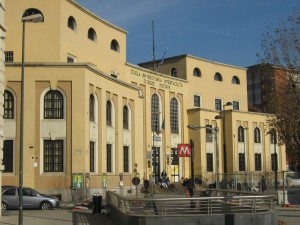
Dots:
{"x": 155, "y": 81}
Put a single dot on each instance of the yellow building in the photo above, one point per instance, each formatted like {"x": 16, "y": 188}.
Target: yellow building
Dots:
{"x": 2, "y": 80}
{"x": 92, "y": 120}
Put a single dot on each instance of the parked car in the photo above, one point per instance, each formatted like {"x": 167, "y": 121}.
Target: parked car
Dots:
{"x": 32, "y": 199}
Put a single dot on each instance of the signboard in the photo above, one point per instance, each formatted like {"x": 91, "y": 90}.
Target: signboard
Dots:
{"x": 135, "y": 181}
{"x": 184, "y": 150}
{"x": 77, "y": 181}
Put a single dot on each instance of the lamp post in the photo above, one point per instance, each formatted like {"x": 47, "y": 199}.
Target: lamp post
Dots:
{"x": 216, "y": 130}
{"x": 34, "y": 18}
{"x": 276, "y": 159}
{"x": 245, "y": 139}
{"x": 154, "y": 127}
{"x": 224, "y": 138}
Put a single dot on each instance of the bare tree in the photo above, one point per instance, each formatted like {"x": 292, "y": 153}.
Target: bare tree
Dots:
{"x": 281, "y": 49}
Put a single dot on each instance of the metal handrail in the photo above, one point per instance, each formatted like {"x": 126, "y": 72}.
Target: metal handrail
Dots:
{"x": 196, "y": 205}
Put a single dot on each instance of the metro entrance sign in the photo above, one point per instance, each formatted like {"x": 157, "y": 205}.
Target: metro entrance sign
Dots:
{"x": 184, "y": 150}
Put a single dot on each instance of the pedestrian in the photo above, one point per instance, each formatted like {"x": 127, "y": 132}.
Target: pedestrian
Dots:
{"x": 190, "y": 187}
{"x": 263, "y": 184}
{"x": 164, "y": 174}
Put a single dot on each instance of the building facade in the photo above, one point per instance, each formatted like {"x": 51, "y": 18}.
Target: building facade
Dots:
{"x": 94, "y": 121}
{"x": 262, "y": 80}
{"x": 2, "y": 81}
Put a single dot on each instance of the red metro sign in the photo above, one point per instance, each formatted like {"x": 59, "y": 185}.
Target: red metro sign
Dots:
{"x": 184, "y": 150}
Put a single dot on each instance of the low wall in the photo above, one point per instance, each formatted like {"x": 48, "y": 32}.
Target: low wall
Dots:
{"x": 269, "y": 218}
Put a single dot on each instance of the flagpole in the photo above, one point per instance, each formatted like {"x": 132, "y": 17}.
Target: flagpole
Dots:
{"x": 153, "y": 45}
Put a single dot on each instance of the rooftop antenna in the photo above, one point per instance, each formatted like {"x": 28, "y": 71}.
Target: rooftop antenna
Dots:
{"x": 153, "y": 49}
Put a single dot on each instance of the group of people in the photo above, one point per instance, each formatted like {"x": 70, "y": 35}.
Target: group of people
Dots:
{"x": 164, "y": 180}
{"x": 197, "y": 181}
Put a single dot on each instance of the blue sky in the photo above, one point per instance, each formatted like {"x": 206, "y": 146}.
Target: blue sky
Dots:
{"x": 226, "y": 31}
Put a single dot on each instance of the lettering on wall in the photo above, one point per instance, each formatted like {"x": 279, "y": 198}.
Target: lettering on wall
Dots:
{"x": 155, "y": 81}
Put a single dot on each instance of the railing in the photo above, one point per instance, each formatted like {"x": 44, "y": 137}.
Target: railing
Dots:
{"x": 196, "y": 205}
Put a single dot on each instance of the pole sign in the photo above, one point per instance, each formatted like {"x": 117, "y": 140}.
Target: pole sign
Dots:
{"x": 77, "y": 181}
{"x": 184, "y": 150}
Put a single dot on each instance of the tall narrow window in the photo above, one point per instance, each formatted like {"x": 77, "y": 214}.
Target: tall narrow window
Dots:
{"x": 209, "y": 133}
{"x": 155, "y": 122}
{"x": 174, "y": 116}
{"x": 126, "y": 158}
{"x": 241, "y": 135}
{"x": 53, "y": 105}
{"x": 108, "y": 114}
{"x": 53, "y": 156}
{"x": 218, "y": 104}
{"x": 209, "y": 162}
{"x": 273, "y": 161}
{"x": 108, "y": 158}
{"x": 125, "y": 117}
{"x": 197, "y": 100}
{"x": 8, "y": 105}
{"x": 8, "y": 156}
{"x": 174, "y": 165}
{"x": 257, "y": 162}
{"x": 241, "y": 162}
{"x": 273, "y": 136}
{"x": 92, "y": 156}
{"x": 257, "y": 135}
{"x": 92, "y": 108}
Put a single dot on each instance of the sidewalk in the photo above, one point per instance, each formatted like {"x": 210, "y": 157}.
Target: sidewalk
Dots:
{"x": 60, "y": 216}
{"x": 289, "y": 215}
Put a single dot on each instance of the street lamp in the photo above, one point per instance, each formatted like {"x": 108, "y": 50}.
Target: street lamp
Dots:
{"x": 273, "y": 133}
{"x": 245, "y": 139}
{"x": 33, "y": 18}
{"x": 224, "y": 138}
{"x": 216, "y": 130}
{"x": 154, "y": 127}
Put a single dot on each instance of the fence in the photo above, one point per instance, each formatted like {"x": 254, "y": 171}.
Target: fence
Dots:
{"x": 200, "y": 205}
{"x": 252, "y": 181}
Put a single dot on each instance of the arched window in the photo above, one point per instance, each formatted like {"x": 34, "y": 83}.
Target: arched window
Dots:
{"x": 114, "y": 45}
{"x": 92, "y": 35}
{"x": 92, "y": 108}
{"x": 174, "y": 72}
{"x": 257, "y": 135}
{"x": 155, "y": 113}
{"x": 235, "y": 80}
{"x": 241, "y": 135}
{"x": 53, "y": 105}
{"x": 196, "y": 72}
{"x": 72, "y": 23}
{"x": 125, "y": 117}
{"x": 9, "y": 107}
{"x": 32, "y": 11}
{"x": 108, "y": 113}
{"x": 218, "y": 77}
{"x": 174, "y": 116}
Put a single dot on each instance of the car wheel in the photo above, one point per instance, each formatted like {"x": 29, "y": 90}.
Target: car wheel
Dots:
{"x": 46, "y": 205}
{"x": 3, "y": 206}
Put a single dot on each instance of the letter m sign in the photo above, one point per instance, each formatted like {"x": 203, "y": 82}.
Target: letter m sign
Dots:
{"x": 184, "y": 150}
